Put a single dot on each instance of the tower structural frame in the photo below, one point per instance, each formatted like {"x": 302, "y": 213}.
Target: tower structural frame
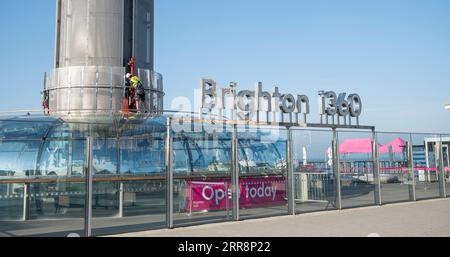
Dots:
{"x": 94, "y": 42}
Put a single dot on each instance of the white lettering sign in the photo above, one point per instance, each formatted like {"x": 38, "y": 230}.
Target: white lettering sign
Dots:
{"x": 249, "y": 104}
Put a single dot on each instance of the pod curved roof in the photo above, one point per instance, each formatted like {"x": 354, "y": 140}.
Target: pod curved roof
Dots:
{"x": 38, "y": 127}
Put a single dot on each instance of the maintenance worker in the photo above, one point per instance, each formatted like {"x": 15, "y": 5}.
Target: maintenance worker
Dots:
{"x": 46, "y": 102}
{"x": 127, "y": 97}
{"x": 128, "y": 80}
{"x": 139, "y": 94}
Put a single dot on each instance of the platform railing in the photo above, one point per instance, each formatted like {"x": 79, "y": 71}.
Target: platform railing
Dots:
{"x": 98, "y": 90}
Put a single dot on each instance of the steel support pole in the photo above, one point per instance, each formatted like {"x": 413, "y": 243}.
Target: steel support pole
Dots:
{"x": 235, "y": 194}
{"x": 121, "y": 199}
{"x": 26, "y": 201}
{"x": 412, "y": 175}
{"x": 70, "y": 157}
{"x": 441, "y": 176}
{"x": 336, "y": 168}
{"x": 290, "y": 172}
{"x": 190, "y": 199}
{"x": 376, "y": 168}
{"x": 169, "y": 175}
{"x": 227, "y": 198}
{"x": 121, "y": 187}
{"x": 427, "y": 158}
{"x": 89, "y": 176}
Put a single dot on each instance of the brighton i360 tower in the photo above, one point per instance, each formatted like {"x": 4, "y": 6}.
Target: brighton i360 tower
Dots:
{"x": 97, "y": 43}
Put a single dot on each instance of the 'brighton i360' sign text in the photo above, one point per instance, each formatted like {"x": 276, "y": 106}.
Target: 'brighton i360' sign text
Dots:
{"x": 253, "y": 104}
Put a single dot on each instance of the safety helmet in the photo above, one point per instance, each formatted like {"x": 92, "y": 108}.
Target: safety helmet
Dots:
{"x": 128, "y": 75}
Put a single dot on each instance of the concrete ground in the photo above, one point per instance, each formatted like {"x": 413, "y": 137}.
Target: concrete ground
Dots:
{"x": 424, "y": 218}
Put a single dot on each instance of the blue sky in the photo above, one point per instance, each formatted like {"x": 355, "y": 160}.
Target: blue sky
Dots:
{"x": 395, "y": 54}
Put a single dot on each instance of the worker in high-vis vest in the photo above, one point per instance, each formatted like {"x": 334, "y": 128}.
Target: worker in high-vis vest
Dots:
{"x": 139, "y": 94}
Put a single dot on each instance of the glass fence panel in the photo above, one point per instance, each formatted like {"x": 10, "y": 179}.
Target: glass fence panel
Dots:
{"x": 11, "y": 202}
{"x": 425, "y": 165}
{"x": 445, "y": 139}
{"x": 129, "y": 189}
{"x": 105, "y": 193}
{"x": 314, "y": 179}
{"x": 356, "y": 169}
{"x": 51, "y": 172}
{"x": 202, "y": 173}
{"x": 17, "y": 161}
{"x": 263, "y": 171}
{"x": 396, "y": 177}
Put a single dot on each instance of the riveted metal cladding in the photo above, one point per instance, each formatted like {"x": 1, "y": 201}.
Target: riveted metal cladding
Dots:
{"x": 249, "y": 104}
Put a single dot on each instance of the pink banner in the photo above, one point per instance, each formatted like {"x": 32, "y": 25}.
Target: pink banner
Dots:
{"x": 216, "y": 194}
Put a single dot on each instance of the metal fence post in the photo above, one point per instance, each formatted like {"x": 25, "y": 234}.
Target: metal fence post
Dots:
{"x": 227, "y": 198}
{"x": 121, "y": 199}
{"x": 26, "y": 201}
{"x": 376, "y": 168}
{"x": 190, "y": 199}
{"x": 118, "y": 171}
{"x": 169, "y": 175}
{"x": 336, "y": 167}
{"x": 440, "y": 171}
{"x": 412, "y": 185}
{"x": 235, "y": 194}
{"x": 290, "y": 172}
{"x": 89, "y": 176}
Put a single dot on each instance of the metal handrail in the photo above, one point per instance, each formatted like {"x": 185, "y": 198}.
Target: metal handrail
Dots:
{"x": 119, "y": 178}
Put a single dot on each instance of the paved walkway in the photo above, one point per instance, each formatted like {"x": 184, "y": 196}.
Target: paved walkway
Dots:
{"x": 424, "y": 218}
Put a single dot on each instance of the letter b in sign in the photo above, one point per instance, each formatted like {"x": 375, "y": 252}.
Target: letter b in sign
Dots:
{"x": 209, "y": 94}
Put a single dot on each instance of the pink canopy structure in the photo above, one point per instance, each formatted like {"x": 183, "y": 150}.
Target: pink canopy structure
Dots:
{"x": 398, "y": 146}
{"x": 357, "y": 145}
{"x": 364, "y": 145}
